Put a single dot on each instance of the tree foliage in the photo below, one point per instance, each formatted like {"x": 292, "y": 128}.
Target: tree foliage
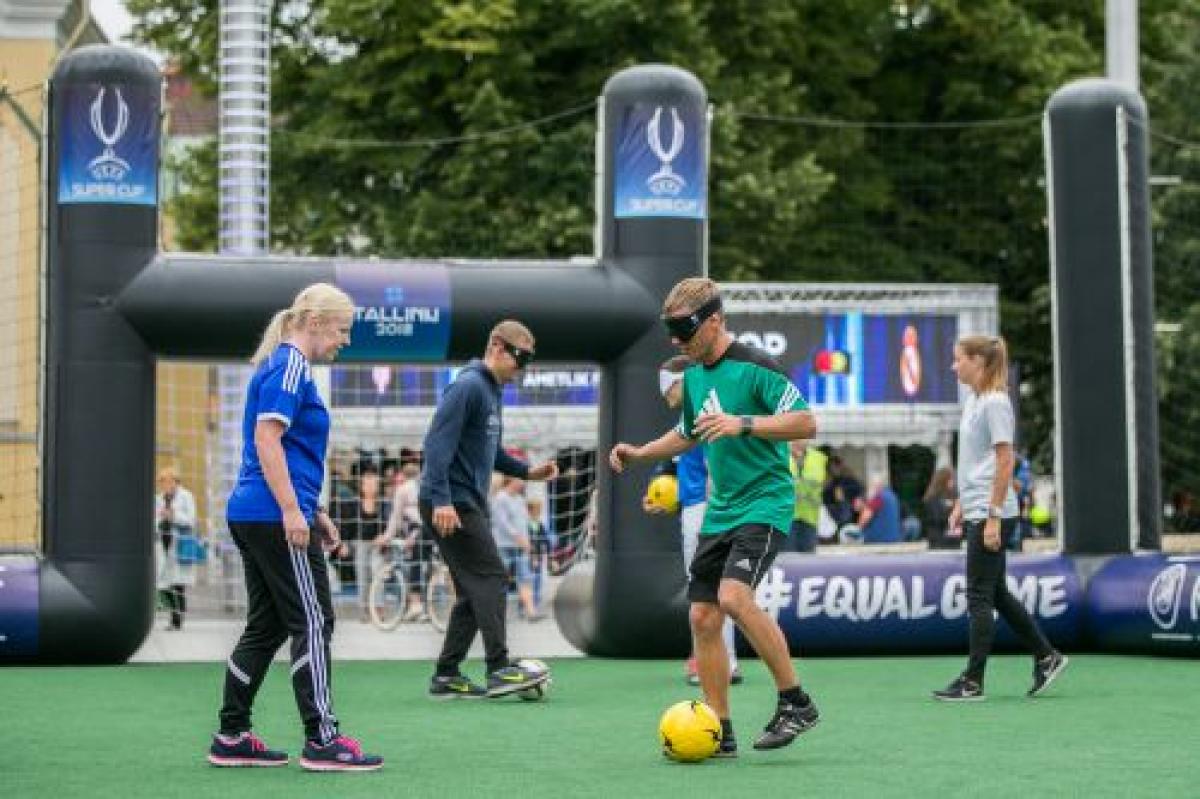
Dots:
{"x": 844, "y": 144}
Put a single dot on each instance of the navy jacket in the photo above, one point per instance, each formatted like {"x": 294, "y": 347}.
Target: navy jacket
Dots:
{"x": 462, "y": 447}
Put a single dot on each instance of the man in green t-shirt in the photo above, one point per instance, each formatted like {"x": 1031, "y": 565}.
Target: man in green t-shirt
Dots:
{"x": 741, "y": 404}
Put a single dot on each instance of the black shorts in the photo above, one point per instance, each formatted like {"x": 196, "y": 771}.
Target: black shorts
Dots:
{"x": 743, "y": 554}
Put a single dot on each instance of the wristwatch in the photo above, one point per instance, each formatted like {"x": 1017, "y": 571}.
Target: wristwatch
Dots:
{"x": 747, "y": 425}
{"x": 995, "y": 512}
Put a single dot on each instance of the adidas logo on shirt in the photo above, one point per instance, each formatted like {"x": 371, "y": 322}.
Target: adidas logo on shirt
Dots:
{"x": 712, "y": 403}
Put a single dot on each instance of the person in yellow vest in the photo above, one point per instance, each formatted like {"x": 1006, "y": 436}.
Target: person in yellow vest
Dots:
{"x": 809, "y": 469}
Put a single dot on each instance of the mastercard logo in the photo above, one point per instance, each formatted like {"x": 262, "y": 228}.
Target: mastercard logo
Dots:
{"x": 831, "y": 362}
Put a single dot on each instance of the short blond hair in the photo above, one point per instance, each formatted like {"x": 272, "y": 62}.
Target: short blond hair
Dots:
{"x": 513, "y": 332}
{"x": 688, "y": 295}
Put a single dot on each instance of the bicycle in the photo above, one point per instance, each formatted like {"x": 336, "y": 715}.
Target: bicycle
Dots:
{"x": 389, "y": 590}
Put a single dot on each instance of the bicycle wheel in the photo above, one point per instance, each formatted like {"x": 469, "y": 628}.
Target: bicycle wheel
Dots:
{"x": 439, "y": 597}
{"x": 385, "y": 602}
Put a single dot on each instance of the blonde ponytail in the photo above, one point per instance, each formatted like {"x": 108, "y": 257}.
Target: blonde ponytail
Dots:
{"x": 272, "y": 336}
{"x": 994, "y": 353}
{"x": 320, "y": 301}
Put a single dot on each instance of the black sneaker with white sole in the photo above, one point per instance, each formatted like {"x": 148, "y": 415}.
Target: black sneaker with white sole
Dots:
{"x": 1046, "y": 671}
{"x": 454, "y": 686}
{"x": 962, "y": 689}
{"x": 511, "y": 679}
{"x": 789, "y": 721}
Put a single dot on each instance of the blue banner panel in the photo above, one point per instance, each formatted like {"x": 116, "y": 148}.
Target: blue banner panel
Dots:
{"x": 108, "y": 147}
{"x": 898, "y": 604}
{"x": 908, "y": 358}
{"x": 1146, "y": 603}
{"x": 660, "y": 163}
{"x": 385, "y": 386}
{"x": 851, "y": 359}
{"x": 18, "y": 606}
{"x": 400, "y": 314}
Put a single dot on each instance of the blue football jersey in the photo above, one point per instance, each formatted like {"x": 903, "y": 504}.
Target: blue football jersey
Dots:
{"x": 282, "y": 388}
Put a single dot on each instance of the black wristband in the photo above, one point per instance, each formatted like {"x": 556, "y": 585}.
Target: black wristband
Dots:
{"x": 747, "y": 425}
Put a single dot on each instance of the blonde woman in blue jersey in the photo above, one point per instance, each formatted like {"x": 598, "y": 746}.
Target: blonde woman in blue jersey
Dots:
{"x": 272, "y": 514}
{"x": 741, "y": 404}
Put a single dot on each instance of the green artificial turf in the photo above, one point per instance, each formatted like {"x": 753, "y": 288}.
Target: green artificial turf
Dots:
{"x": 1112, "y": 726}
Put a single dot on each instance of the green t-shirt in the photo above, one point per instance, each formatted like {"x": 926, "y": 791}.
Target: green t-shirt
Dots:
{"x": 751, "y": 478}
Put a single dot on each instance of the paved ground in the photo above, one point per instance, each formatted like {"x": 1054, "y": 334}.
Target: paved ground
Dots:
{"x": 213, "y": 639}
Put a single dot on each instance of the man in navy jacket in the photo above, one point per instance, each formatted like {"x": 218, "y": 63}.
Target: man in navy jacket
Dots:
{"x": 462, "y": 449}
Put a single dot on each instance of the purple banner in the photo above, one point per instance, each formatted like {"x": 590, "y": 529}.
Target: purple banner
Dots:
{"x": 1148, "y": 603}
{"x": 18, "y": 606}
{"x": 901, "y": 604}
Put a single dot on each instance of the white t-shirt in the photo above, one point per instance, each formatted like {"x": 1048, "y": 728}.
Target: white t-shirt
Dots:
{"x": 183, "y": 507}
{"x": 405, "y": 511}
{"x": 510, "y": 518}
{"x": 987, "y": 420}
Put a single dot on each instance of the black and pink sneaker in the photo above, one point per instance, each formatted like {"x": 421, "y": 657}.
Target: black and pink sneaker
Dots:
{"x": 341, "y": 754}
{"x": 245, "y": 750}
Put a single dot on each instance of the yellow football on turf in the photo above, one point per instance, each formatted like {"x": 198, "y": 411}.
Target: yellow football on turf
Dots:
{"x": 663, "y": 493}
{"x": 689, "y": 732}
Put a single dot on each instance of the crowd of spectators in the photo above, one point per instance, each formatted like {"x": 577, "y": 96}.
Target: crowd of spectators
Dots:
{"x": 373, "y": 500}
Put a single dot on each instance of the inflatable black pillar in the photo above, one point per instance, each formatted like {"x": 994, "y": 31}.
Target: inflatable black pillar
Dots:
{"x": 653, "y": 226}
{"x": 96, "y": 582}
{"x": 1103, "y": 295}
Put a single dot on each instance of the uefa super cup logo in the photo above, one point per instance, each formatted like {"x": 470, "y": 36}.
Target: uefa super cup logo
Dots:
{"x": 1164, "y": 595}
{"x": 108, "y": 165}
{"x": 665, "y": 180}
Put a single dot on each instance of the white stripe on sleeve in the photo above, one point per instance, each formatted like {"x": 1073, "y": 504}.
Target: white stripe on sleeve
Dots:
{"x": 291, "y": 377}
{"x": 790, "y": 395}
{"x": 279, "y": 417}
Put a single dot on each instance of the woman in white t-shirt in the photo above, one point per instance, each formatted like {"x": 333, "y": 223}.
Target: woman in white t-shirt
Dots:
{"x": 987, "y": 509}
{"x": 175, "y": 557}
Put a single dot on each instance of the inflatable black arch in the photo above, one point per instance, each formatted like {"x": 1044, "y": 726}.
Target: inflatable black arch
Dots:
{"x": 113, "y": 304}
